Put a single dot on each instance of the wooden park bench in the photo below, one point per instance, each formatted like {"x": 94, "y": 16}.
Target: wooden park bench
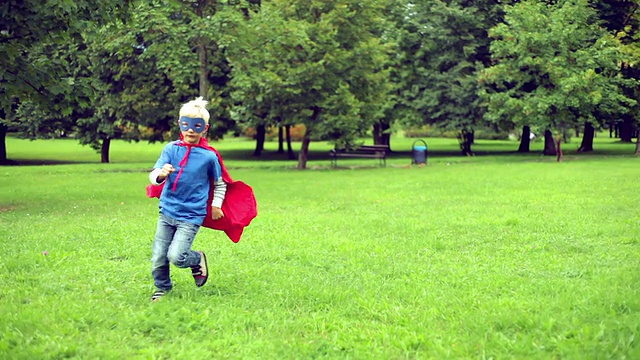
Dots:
{"x": 365, "y": 151}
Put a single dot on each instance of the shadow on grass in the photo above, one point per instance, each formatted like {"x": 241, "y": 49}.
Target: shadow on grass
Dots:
{"x": 35, "y": 162}
{"x": 318, "y": 155}
{"x": 479, "y": 150}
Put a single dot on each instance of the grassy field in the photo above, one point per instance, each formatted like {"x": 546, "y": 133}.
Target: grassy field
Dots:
{"x": 238, "y": 152}
{"x": 494, "y": 256}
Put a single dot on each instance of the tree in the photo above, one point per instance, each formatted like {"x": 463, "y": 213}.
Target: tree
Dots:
{"x": 171, "y": 56}
{"x": 26, "y": 74}
{"x": 622, "y": 19}
{"x": 554, "y": 68}
{"x": 444, "y": 45}
{"x": 320, "y": 65}
{"x": 165, "y": 55}
{"x": 139, "y": 72}
{"x": 525, "y": 139}
{"x": 32, "y": 119}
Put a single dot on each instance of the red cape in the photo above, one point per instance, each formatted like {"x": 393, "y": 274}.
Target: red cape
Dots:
{"x": 239, "y": 205}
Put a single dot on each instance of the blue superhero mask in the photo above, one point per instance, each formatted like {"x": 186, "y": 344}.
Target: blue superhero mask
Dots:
{"x": 196, "y": 124}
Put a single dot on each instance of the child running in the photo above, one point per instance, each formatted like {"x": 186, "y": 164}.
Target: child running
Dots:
{"x": 185, "y": 169}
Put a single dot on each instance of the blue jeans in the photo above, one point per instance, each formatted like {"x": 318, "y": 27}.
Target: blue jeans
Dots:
{"x": 172, "y": 244}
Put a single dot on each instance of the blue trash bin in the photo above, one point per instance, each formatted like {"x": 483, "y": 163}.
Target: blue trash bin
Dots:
{"x": 419, "y": 152}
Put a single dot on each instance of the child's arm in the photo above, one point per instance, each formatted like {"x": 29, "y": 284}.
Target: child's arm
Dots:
{"x": 219, "y": 192}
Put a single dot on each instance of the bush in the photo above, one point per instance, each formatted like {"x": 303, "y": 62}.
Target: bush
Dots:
{"x": 491, "y": 135}
{"x": 429, "y": 131}
{"x": 150, "y": 134}
{"x": 296, "y": 131}
{"x": 433, "y": 131}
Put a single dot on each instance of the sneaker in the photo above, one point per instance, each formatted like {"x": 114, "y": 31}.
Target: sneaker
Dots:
{"x": 200, "y": 272}
{"x": 157, "y": 295}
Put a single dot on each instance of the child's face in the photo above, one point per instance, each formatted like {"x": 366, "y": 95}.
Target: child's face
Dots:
{"x": 192, "y": 129}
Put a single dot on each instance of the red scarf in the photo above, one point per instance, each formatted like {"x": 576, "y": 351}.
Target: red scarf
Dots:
{"x": 239, "y": 205}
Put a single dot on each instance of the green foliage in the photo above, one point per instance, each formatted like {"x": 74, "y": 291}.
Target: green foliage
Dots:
{"x": 622, "y": 19}
{"x": 322, "y": 67}
{"x": 443, "y": 47}
{"x": 184, "y": 40}
{"x": 554, "y": 67}
{"x": 109, "y": 70}
{"x": 148, "y": 69}
{"x": 118, "y": 75}
{"x": 27, "y": 71}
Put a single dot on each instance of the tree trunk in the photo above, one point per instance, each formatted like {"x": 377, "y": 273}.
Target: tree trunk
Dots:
{"x": 280, "y": 140}
{"x": 376, "y": 133}
{"x": 626, "y": 128}
{"x": 291, "y": 154}
{"x": 204, "y": 77}
{"x": 304, "y": 150}
{"x": 3, "y": 144}
{"x": 465, "y": 138}
{"x": 587, "y": 138}
{"x": 202, "y": 56}
{"x": 559, "y": 147}
{"x": 637, "y": 153}
{"x": 549, "y": 144}
{"x": 261, "y": 134}
{"x": 525, "y": 140}
{"x": 381, "y": 135}
{"x": 306, "y": 140}
{"x": 104, "y": 152}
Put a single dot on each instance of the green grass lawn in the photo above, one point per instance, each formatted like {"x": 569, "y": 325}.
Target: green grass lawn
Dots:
{"x": 494, "y": 256}
{"x": 238, "y": 151}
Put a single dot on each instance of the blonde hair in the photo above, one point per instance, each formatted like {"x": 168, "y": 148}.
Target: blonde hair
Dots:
{"x": 196, "y": 109}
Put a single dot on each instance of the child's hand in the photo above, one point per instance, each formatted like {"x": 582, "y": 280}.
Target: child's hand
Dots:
{"x": 216, "y": 213}
{"x": 166, "y": 170}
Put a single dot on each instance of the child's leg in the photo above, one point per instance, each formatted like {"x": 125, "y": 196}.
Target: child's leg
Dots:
{"x": 180, "y": 253}
{"x": 159, "y": 259}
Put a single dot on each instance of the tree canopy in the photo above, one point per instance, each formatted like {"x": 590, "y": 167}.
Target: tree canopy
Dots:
{"x": 554, "y": 67}
{"x": 321, "y": 67}
{"x": 342, "y": 68}
{"x": 30, "y": 32}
